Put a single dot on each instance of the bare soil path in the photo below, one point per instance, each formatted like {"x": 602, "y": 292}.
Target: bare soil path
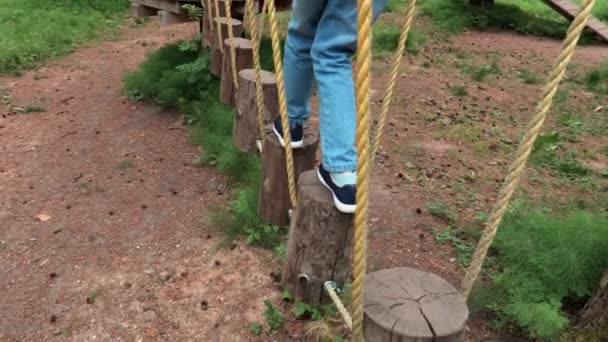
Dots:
{"x": 102, "y": 234}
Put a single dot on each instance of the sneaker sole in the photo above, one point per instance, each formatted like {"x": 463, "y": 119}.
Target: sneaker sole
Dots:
{"x": 344, "y": 208}
{"x": 294, "y": 144}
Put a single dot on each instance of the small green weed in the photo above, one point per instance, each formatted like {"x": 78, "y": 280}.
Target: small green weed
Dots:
{"x": 528, "y": 77}
{"x": 464, "y": 248}
{"x": 273, "y": 317}
{"x": 458, "y": 91}
{"x": 124, "y": 164}
{"x": 442, "y": 210}
{"x": 34, "y": 108}
{"x": 479, "y": 72}
{"x": 92, "y": 297}
{"x": 256, "y": 328}
{"x": 305, "y": 311}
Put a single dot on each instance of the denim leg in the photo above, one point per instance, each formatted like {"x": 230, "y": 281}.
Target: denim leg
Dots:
{"x": 298, "y": 70}
{"x": 334, "y": 45}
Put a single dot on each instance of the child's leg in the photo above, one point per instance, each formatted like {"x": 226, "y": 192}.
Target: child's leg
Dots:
{"x": 298, "y": 72}
{"x": 332, "y": 50}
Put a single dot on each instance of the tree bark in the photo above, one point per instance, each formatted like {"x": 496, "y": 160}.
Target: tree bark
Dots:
{"x": 319, "y": 245}
{"x": 274, "y": 201}
{"x": 593, "y": 318}
{"x": 244, "y": 59}
{"x": 217, "y": 52}
{"x": 246, "y": 130}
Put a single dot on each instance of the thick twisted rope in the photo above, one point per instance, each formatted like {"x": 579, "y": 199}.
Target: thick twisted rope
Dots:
{"x": 278, "y": 66}
{"x": 235, "y": 74}
{"x": 516, "y": 170}
{"x": 395, "y": 66}
{"x": 210, "y": 18}
{"x": 329, "y": 288}
{"x": 364, "y": 59}
{"x": 255, "y": 42}
{"x": 218, "y": 27}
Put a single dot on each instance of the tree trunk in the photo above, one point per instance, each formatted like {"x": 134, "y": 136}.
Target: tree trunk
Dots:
{"x": 274, "y": 202}
{"x": 244, "y": 59}
{"x": 246, "y": 129}
{"x": 593, "y": 318}
{"x": 319, "y": 246}
{"x": 217, "y": 53}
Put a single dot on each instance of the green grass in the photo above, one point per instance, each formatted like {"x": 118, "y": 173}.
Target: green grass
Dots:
{"x": 596, "y": 80}
{"x": 549, "y": 152}
{"x": 543, "y": 262}
{"x": 458, "y": 91}
{"x": 524, "y": 16}
{"x": 386, "y": 38}
{"x": 124, "y": 164}
{"x": 32, "y": 31}
{"x": 34, "y": 108}
{"x": 529, "y": 77}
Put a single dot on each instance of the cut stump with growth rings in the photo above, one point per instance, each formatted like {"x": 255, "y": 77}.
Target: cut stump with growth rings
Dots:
{"x": 245, "y": 132}
{"x": 407, "y": 305}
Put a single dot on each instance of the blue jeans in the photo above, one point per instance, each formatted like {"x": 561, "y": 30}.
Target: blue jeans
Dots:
{"x": 321, "y": 40}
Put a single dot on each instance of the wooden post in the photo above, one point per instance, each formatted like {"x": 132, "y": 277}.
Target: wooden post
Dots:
{"x": 319, "y": 246}
{"x": 170, "y": 18}
{"x": 274, "y": 203}
{"x": 246, "y": 130}
{"x": 408, "y": 305}
{"x": 217, "y": 52}
{"x": 143, "y": 11}
{"x": 244, "y": 59}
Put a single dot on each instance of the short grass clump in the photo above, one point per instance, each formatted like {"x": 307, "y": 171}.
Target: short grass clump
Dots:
{"x": 31, "y": 31}
{"x": 596, "y": 80}
{"x": 549, "y": 151}
{"x": 544, "y": 262}
{"x": 177, "y": 76}
{"x": 386, "y": 38}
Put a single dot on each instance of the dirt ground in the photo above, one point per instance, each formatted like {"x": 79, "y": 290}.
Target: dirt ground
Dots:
{"x": 103, "y": 230}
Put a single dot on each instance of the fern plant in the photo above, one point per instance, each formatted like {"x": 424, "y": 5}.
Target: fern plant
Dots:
{"x": 542, "y": 260}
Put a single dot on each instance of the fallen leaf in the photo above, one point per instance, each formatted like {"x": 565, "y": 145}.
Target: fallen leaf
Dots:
{"x": 43, "y": 217}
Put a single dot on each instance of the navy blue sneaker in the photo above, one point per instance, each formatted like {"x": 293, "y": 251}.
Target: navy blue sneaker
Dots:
{"x": 344, "y": 193}
{"x": 296, "y": 130}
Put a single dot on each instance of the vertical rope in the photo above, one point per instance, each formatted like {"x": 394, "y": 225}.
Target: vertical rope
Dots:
{"x": 364, "y": 59}
{"x": 395, "y": 65}
{"x": 255, "y": 42}
{"x": 517, "y": 168}
{"x": 218, "y": 27}
{"x": 278, "y": 65}
{"x": 235, "y": 74}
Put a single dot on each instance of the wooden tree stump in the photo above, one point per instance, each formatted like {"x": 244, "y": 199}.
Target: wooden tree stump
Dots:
{"x": 408, "y": 305}
{"x": 217, "y": 52}
{"x": 246, "y": 129}
{"x": 319, "y": 246}
{"x": 243, "y": 50}
{"x": 274, "y": 203}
